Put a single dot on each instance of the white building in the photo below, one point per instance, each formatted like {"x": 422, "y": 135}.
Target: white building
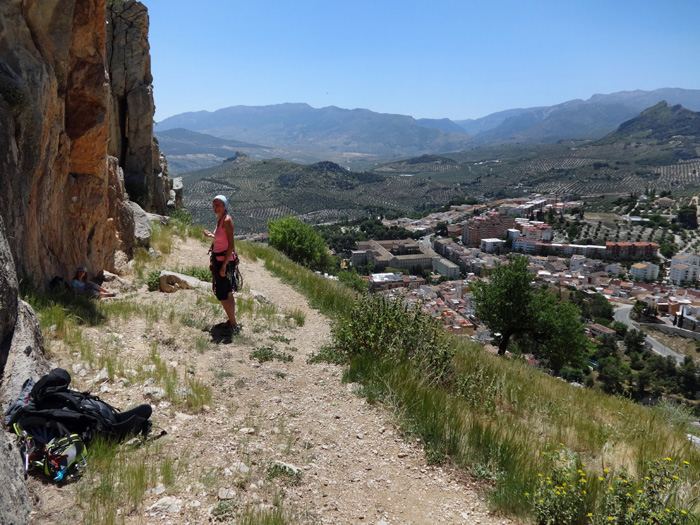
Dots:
{"x": 685, "y": 267}
{"x": 644, "y": 271}
{"x": 492, "y": 245}
{"x": 576, "y": 262}
{"x": 445, "y": 267}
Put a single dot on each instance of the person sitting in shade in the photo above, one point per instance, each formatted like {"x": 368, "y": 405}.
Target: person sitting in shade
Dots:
{"x": 82, "y": 286}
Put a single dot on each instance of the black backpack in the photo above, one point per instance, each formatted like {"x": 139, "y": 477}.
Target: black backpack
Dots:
{"x": 52, "y": 421}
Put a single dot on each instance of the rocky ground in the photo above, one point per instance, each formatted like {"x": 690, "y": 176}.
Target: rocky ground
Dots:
{"x": 274, "y": 431}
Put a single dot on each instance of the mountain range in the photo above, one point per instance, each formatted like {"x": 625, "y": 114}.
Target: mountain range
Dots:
{"x": 657, "y": 149}
{"x": 361, "y": 138}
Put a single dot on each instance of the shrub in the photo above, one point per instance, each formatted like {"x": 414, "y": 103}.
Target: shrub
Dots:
{"x": 569, "y": 495}
{"x": 153, "y": 280}
{"x": 301, "y": 243}
{"x": 385, "y": 328}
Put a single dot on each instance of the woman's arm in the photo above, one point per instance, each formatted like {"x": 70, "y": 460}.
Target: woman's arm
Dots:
{"x": 228, "y": 228}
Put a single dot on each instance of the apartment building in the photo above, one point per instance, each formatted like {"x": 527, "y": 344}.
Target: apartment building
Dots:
{"x": 685, "y": 267}
{"x": 644, "y": 271}
{"x": 488, "y": 226}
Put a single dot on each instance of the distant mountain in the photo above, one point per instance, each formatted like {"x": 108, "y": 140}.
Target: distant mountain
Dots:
{"x": 362, "y": 139}
{"x": 188, "y": 150}
{"x": 575, "y": 119}
{"x": 328, "y": 132}
{"x": 659, "y": 122}
{"x": 443, "y": 124}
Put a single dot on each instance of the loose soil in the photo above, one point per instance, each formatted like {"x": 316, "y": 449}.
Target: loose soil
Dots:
{"x": 354, "y": 464}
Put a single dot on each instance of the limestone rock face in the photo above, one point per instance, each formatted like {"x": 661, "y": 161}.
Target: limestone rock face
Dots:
{"x": 63, "y": 199}
{"x": 8, "y": 298}
{"x": 132, "y": 108}
{"x": 61, "y": 195}
{"x": 53, "y": 107}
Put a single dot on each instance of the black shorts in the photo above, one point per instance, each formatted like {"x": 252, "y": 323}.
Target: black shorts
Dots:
{"x": 222, "y": 285}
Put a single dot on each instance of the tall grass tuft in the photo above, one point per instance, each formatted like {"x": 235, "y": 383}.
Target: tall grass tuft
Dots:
{"x": 117, "y": 479}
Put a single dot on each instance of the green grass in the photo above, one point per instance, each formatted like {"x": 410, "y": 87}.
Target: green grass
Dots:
{"x": 490, "y": 416}
{"x": 117, "y": 479}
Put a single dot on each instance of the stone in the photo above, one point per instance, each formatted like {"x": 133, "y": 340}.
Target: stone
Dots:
{"x": 132, "y": 107}
{"x": 154, "y": 392}
{"x": 172, "y": 282}
{"x": 240, "y": 467}
{"x": 166, "y": 505}
{"x": 102, "y": 376}
{"x": 226, "y": 494}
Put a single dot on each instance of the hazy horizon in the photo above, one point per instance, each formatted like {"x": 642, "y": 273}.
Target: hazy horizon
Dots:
{"x": 448, "y": 59}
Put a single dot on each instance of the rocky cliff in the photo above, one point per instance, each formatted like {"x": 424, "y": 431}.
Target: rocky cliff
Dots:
{"x": 76, "y": 133}
{"x": 131, "y": 110}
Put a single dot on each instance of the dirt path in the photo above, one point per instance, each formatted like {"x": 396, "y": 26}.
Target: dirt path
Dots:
{"x": 346, "y": 462}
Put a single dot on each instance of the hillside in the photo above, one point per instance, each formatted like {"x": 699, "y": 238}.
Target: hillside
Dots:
{"x": 190, "y": 151}
{"x": 321, "y": 192}
{"x": 658, "y": 149}
{"x": 355, "y": 464}
{"x": 660, "y": 122}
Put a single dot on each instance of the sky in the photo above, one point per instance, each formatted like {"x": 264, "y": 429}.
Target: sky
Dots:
{"x": 428, "y": 59}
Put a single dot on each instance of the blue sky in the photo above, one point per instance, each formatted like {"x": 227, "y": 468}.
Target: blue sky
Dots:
{"x": 428, "y": 59}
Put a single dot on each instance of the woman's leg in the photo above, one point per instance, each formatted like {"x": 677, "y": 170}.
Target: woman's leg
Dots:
{"x": 229, "y": 305}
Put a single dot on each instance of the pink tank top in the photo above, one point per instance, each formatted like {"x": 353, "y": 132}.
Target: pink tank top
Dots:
{"x": 220, "y": 242}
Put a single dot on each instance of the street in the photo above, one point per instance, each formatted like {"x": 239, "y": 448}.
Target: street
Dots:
{"x": 622, "y": 314}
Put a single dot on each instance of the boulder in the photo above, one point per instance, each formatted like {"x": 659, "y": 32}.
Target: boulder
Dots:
{"x": 172, "y": 282}
{"x": 142, "y": 225}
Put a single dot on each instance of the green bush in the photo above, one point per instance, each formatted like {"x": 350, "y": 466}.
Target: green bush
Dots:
{"x": 153, "y": 280}
{"x": 385, "y": 328}
{"x": 301, "y": 243}
{"x": 571, "y": 495}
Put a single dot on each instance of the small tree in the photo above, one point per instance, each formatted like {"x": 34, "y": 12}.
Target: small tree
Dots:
{"x": 301, "y": 243}
{"x": 502, "y": 304}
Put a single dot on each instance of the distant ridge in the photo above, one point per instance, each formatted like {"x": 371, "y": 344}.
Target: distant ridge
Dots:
{"x": 362, "y": 139}
{"x": 326, "y": 130}
{"x": 660, "y": 122}
{"x": 575, "y": 119}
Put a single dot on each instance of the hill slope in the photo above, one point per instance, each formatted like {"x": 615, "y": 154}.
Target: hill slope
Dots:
{"x": 660, "y": 122}
{"x": 354, "y": 463}
{"x": 322, "y": 192}
{"x": 658, "y": 149}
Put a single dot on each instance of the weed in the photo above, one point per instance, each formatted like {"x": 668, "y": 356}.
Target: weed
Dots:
{"x": 571, "y": 493}
{"x": 203, "y": 274}
{"x": 201, "y": 344}
{"x": 298, "y": 316}
{"x": 153, "y": 280}
{"x": 224, "y": 510}
{"x": 328, "y": 354}
{"x": 290, "y": 474}
{"x": 268, "y": 353}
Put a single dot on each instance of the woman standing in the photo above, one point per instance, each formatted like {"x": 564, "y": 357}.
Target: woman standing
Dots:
{"x": 223, "y": 255}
